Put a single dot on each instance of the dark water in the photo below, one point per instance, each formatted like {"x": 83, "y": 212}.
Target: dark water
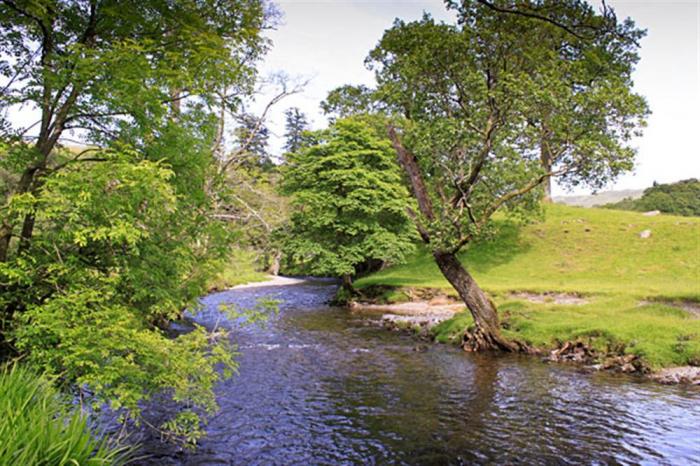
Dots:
{"x": 320, "y": 386}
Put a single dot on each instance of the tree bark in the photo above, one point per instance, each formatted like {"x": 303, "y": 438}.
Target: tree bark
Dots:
{"x": 274, "y": 268}
{"x": 546, "y": 161}
{"x": 487, "y": 332}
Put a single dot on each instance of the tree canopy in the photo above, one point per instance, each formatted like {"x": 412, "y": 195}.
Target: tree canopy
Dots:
{"x": 106, "y": 241}
{"x": 348, "y": 202}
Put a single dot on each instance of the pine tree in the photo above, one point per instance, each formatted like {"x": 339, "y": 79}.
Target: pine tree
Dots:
{"x": 295, "y": 124}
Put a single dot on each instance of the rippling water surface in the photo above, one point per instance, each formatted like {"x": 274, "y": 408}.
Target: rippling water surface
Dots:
{"x": 317, "y": 385}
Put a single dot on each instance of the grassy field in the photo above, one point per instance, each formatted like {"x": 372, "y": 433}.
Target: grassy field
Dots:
{"x": 595, "y": 253}
{"x": 239, "y": 270}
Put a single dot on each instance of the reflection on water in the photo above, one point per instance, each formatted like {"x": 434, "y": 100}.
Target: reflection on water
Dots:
{"x": 317, "y": 385}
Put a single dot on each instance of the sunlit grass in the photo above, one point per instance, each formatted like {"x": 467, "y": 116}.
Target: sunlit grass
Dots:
{"x": 240, "y": 269}
{"x": 594, "y": 252}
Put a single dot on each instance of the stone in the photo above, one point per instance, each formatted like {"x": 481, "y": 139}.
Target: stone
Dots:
{"x": 645, "y": 234}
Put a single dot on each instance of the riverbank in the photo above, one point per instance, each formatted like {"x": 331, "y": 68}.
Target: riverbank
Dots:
{"x": 583, "y": 276}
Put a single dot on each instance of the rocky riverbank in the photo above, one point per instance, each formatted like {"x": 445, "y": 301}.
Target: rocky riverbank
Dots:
{"x": 421, "y": 310}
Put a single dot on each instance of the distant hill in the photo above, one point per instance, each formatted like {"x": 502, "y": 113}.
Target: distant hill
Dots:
{"x": 680, "y": 198}
{"x": 599, "y": 199}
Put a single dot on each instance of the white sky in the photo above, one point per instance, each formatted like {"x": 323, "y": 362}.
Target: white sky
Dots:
{"x": 328, "y": 40}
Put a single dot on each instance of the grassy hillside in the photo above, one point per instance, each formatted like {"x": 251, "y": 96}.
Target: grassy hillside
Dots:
{"x": 594, "y": 252}
{"x": 239, "y": 270}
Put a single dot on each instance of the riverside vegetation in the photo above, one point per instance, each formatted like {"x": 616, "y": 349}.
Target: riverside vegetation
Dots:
{"x": 144, "y": 177}
{"x": 639, "y": 295}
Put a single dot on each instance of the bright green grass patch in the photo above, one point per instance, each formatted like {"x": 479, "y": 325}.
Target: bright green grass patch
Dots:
{"x": 560, "y": 255}
{"x": 39, "y": 427}
{"x": 240, "y": 269}
{"x": 662, "y": 335}
{"x": 594, "y": 252}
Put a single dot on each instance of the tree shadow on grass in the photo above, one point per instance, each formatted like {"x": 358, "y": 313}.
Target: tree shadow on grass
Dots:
{"x": 496, "y": 250}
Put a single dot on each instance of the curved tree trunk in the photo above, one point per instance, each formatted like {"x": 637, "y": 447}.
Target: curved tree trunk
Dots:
{"x": 487, "y": 332}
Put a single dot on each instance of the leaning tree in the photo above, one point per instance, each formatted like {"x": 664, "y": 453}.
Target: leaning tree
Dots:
{"x": 482, "y": 103}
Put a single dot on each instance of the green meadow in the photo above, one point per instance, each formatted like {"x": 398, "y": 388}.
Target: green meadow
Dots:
{"x": 634, "y": 288}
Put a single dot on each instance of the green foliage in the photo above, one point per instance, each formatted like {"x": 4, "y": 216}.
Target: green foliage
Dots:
{"x": 38, "y": 426}
{"x": 481, "y": 99}
{"x": 346, "y": 101}
{"x": 238, "y": 269}
{"x": 101, "y": 247}
{"x": 349, "y": 205}
{"x": 680, "y": 198}
{"x": 253, "y": 136}
{"x": 88, "y": 299}
{"x": 295, "y": 125}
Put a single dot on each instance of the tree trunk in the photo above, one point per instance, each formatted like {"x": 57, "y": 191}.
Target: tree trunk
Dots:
{"x": 487, "y": 332}
{"x": 5, "y": 237}
{"x": 546, "y": 160}
{"x": 274, "y": 268}
{"x": 347, "y": 283}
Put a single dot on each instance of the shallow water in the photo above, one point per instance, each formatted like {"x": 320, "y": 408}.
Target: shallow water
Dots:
{"x": 317, "y": 385}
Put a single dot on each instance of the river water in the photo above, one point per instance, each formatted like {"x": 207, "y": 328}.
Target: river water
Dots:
{"x": 318, "y": 385}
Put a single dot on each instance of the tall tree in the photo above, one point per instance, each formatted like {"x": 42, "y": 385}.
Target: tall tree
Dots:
{"x": 481, "y": 98}
{"x": 295, "y": 125}
{"x": 102, "y": 246}
{"x": 348, "y": 203}
{"x": 100, "y": 66}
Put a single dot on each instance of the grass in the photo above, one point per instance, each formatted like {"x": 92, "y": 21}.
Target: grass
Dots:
{"x": 593, "y": 252}
{"x": 240, "y": 269}
{"x": 39, "y": 427}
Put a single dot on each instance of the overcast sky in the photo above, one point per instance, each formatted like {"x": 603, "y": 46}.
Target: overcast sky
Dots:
{"x": 328, "y": 40}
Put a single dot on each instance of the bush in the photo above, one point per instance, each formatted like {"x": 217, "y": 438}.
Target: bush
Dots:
{"x": 40, "y": 427}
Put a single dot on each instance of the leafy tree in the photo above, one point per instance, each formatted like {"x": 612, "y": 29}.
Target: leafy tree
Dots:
{"x": 295, "y": 125}
{"x": 348, "y": 100}
{"x": 348, "y": 202}
{"x": 475, "y": 98}
{"x": 680, "y": 198}
{"x": 102, "y": 246}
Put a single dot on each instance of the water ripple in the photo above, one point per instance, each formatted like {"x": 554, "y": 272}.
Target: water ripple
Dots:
{"x": 317, "y": 386}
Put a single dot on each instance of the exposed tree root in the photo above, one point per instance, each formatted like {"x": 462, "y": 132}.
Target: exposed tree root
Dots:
{"x": 475, "y": 339}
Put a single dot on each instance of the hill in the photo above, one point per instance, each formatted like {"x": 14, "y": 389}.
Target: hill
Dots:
{"x": 642, "y": 293}
{"x": 599, "y": 199}
{"x": 680, "y": 198}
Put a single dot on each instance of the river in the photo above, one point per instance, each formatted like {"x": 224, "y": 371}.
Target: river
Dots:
{"x": 318, "y": 385}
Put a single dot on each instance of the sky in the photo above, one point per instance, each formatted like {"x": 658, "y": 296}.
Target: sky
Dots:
{"x": 326, "y": 42}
